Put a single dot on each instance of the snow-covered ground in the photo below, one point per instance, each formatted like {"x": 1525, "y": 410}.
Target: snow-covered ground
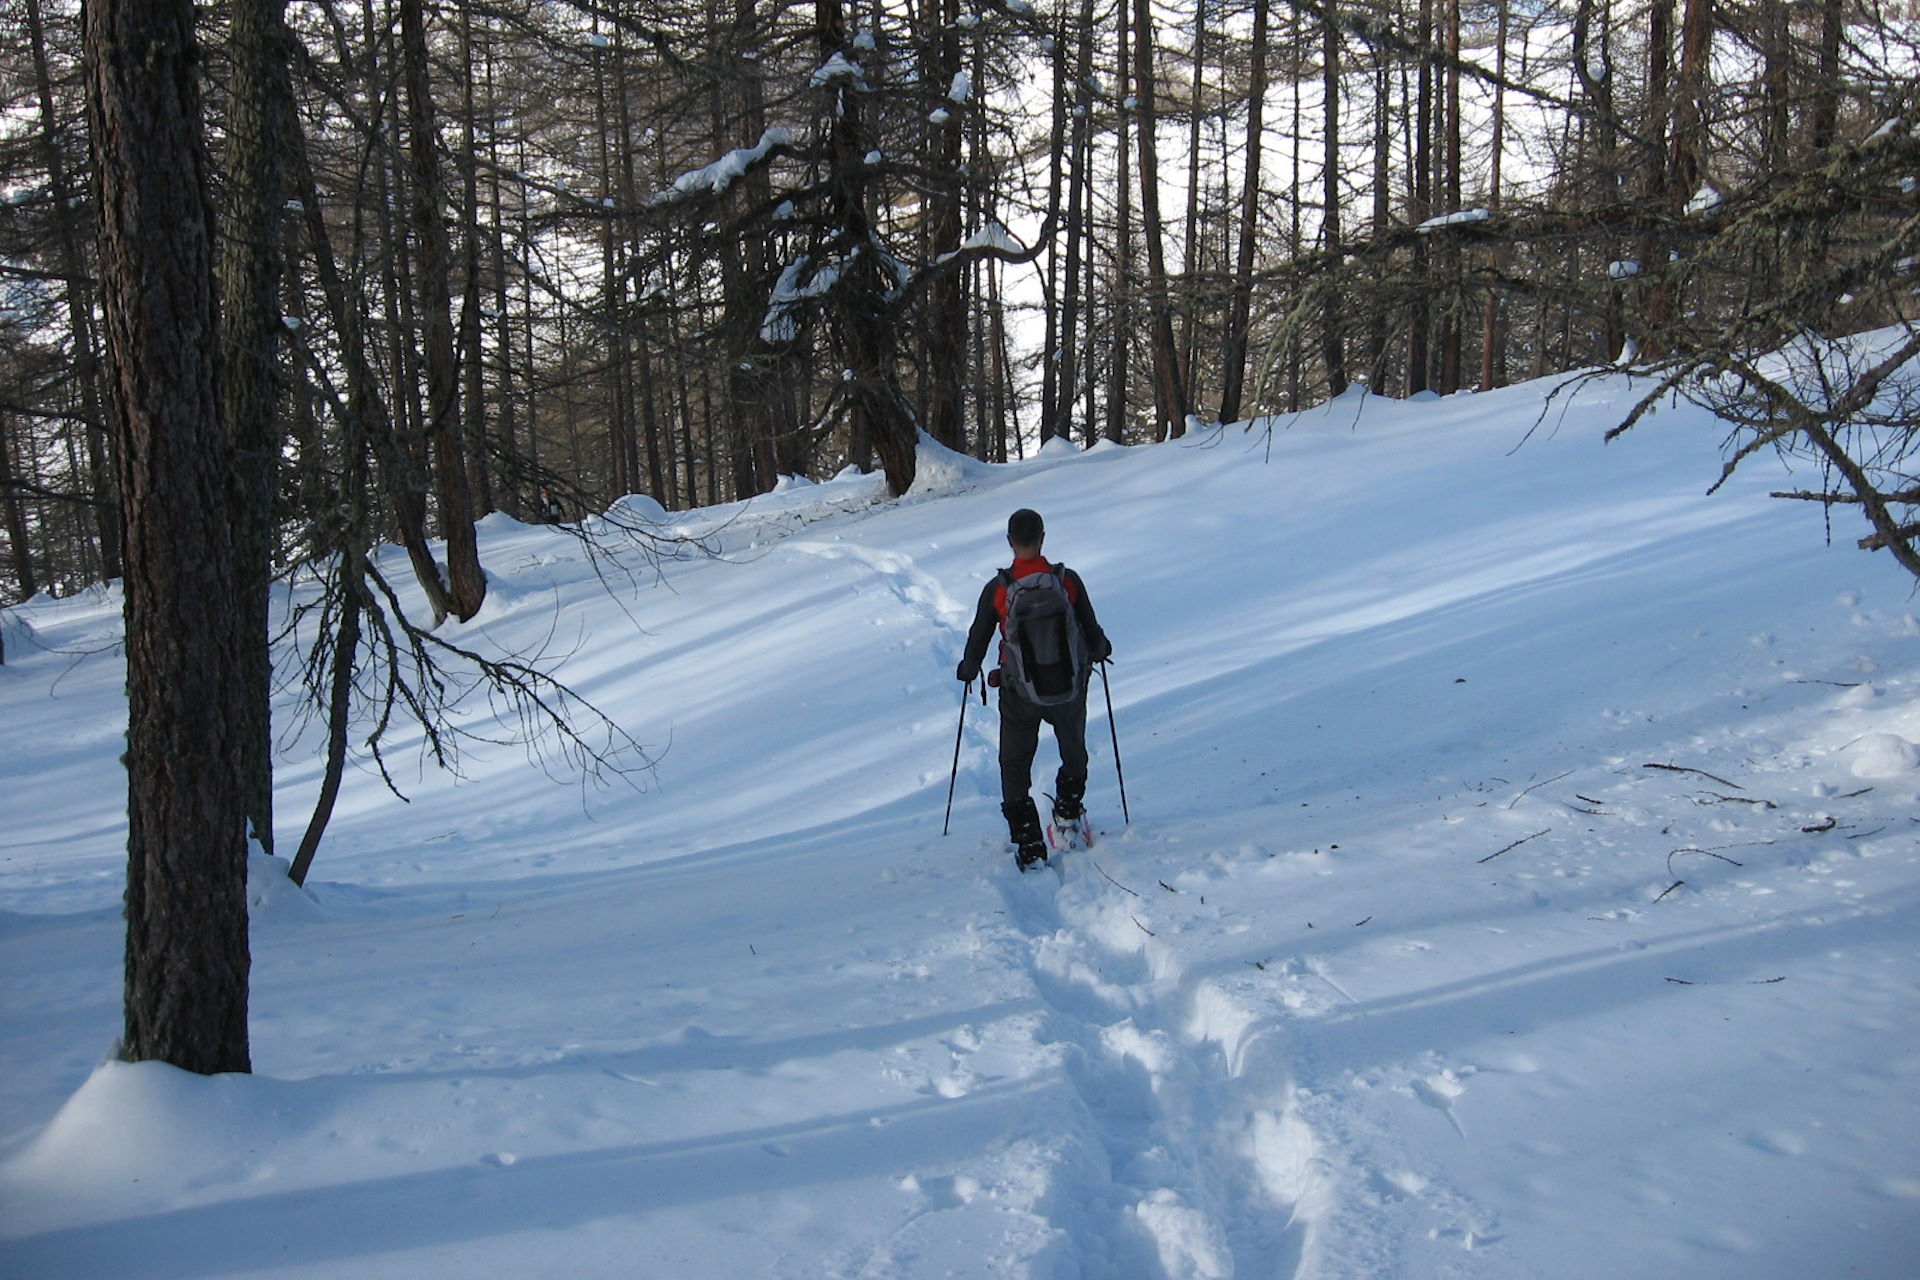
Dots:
{"x": 1522, "y": 881}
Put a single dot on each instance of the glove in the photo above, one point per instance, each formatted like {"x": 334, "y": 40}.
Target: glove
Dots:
{"x": 1103, "y": 650}
{"x": 966, "y": 672}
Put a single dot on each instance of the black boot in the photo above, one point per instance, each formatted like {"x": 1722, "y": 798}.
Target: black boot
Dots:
{"x": 1067, "y": 802}
{"x": 1023, "y": 828}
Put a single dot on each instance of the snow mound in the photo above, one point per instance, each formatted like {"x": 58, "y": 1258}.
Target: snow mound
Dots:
{"x": 272, "y": 894}
{"x": 137, "y": 1125}
{"x": 939, "y": 470}
{"x": 1884, "y": 755}
{"x": 641, "y": 508}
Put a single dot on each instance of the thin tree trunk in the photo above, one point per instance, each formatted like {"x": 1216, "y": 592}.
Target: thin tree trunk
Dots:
{"x": 1377, "y": 320}
{"x": 1825, "y": 127}
{"x": 1419, "y": 323}
{"x": 1055, "y": 387}
{"x": 16, "y": 516}
{"x": 1120, "y": 319}
{"x": 73, "y": 264}
{"x": 946, "y": 300}
{"x": 1240, "y": 311}
{"x": 1189, "y": 311}
{"x": 1453, "y": 321}
{"x": 1169, "y": 384}
{"x": 1333, "y": 343}
{"x": 473, "y": 407}
{"x": 1079, "y": 129}
{"x": 466, "y": 581}
{"x": 1493, "y": 360}
{"x": 378, "y": 433}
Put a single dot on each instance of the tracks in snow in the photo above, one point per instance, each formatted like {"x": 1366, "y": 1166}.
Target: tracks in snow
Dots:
{"x": 1192, "y": 1160}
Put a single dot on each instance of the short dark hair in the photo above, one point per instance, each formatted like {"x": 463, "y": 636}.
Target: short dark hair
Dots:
{"x": 1025, "y": 528}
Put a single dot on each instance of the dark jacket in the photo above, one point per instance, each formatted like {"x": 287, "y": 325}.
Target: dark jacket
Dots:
{"x": 991, "y": 613}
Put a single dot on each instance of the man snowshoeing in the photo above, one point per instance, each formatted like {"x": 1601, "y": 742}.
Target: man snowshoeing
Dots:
{"x": 1049, "y": 643}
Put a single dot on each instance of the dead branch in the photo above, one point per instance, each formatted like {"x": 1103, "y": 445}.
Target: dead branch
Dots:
{"x": 1680, "y": 768}
{"x": 1715, "y": 797}
{"x": 1110, "y": 880}
{"x": 1510, "y": 848}
{"x": 1706, "y": 853}
{"x": 1536, "y": 786}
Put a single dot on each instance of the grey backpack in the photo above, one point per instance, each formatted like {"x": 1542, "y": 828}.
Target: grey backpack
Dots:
{"x": 1043, "y": 654}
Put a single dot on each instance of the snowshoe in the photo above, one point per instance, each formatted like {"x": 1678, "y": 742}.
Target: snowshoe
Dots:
{"x": 1027, "y": 855}
{"x": 1070, "y": 827}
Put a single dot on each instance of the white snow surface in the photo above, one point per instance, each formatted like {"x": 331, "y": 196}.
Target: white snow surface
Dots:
{"x": 1521, "y": 881}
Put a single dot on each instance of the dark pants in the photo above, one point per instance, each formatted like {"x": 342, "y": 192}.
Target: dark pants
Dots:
{"x": 1020, "y": 723}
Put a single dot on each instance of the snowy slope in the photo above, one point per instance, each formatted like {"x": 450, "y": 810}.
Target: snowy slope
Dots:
{"x": 1521, "y": 881}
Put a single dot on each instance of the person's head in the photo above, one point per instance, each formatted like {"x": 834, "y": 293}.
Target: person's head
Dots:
{"x": 1025, "y": 532}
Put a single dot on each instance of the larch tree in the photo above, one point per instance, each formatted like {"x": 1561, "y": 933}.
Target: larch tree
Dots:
{"x": 187, "y": 958}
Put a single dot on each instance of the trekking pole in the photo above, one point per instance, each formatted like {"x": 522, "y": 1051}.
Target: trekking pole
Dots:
{"x": 1117, "y": 771}
{"x": 966, "y": 696}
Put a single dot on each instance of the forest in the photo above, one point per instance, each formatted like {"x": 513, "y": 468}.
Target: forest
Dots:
{"x": 532, "y": 256}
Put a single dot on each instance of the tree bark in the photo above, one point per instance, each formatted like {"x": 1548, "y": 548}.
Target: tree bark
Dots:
{"x": 16, "y": 517}
{"x": 946, "y": 300}
{"x": 187, "y": 956}
{"x": 261, "y": 99}
{"x": 1071, "y": 303}
{"x": 1120, "y": 306}
{"x": 1169, "y": 384}
{"x": 466, "y": 581}
{"x": 73, "y": 264}
{"x": 1240, "y": 311}
{"x": 1333, "y": 345}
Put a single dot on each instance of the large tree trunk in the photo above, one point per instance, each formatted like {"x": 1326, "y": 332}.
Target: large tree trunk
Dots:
{"x": 261, "y": 100}
{"x": 861, "y": 313}
{"x": 466, "y": 582}
{"x": 1593, "y": 63}
{"x": 187, "y": 957}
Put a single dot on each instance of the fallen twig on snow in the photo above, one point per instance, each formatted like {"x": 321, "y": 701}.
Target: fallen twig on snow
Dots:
{"x": 1714, "y": 797}
{"x": 1110, "y": 880}
{"x": 1510, "y": 848}
{"x": 1704, "y": 853}
{"x": 1536, "y": 786}
{"x": 1680, "y": 768}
